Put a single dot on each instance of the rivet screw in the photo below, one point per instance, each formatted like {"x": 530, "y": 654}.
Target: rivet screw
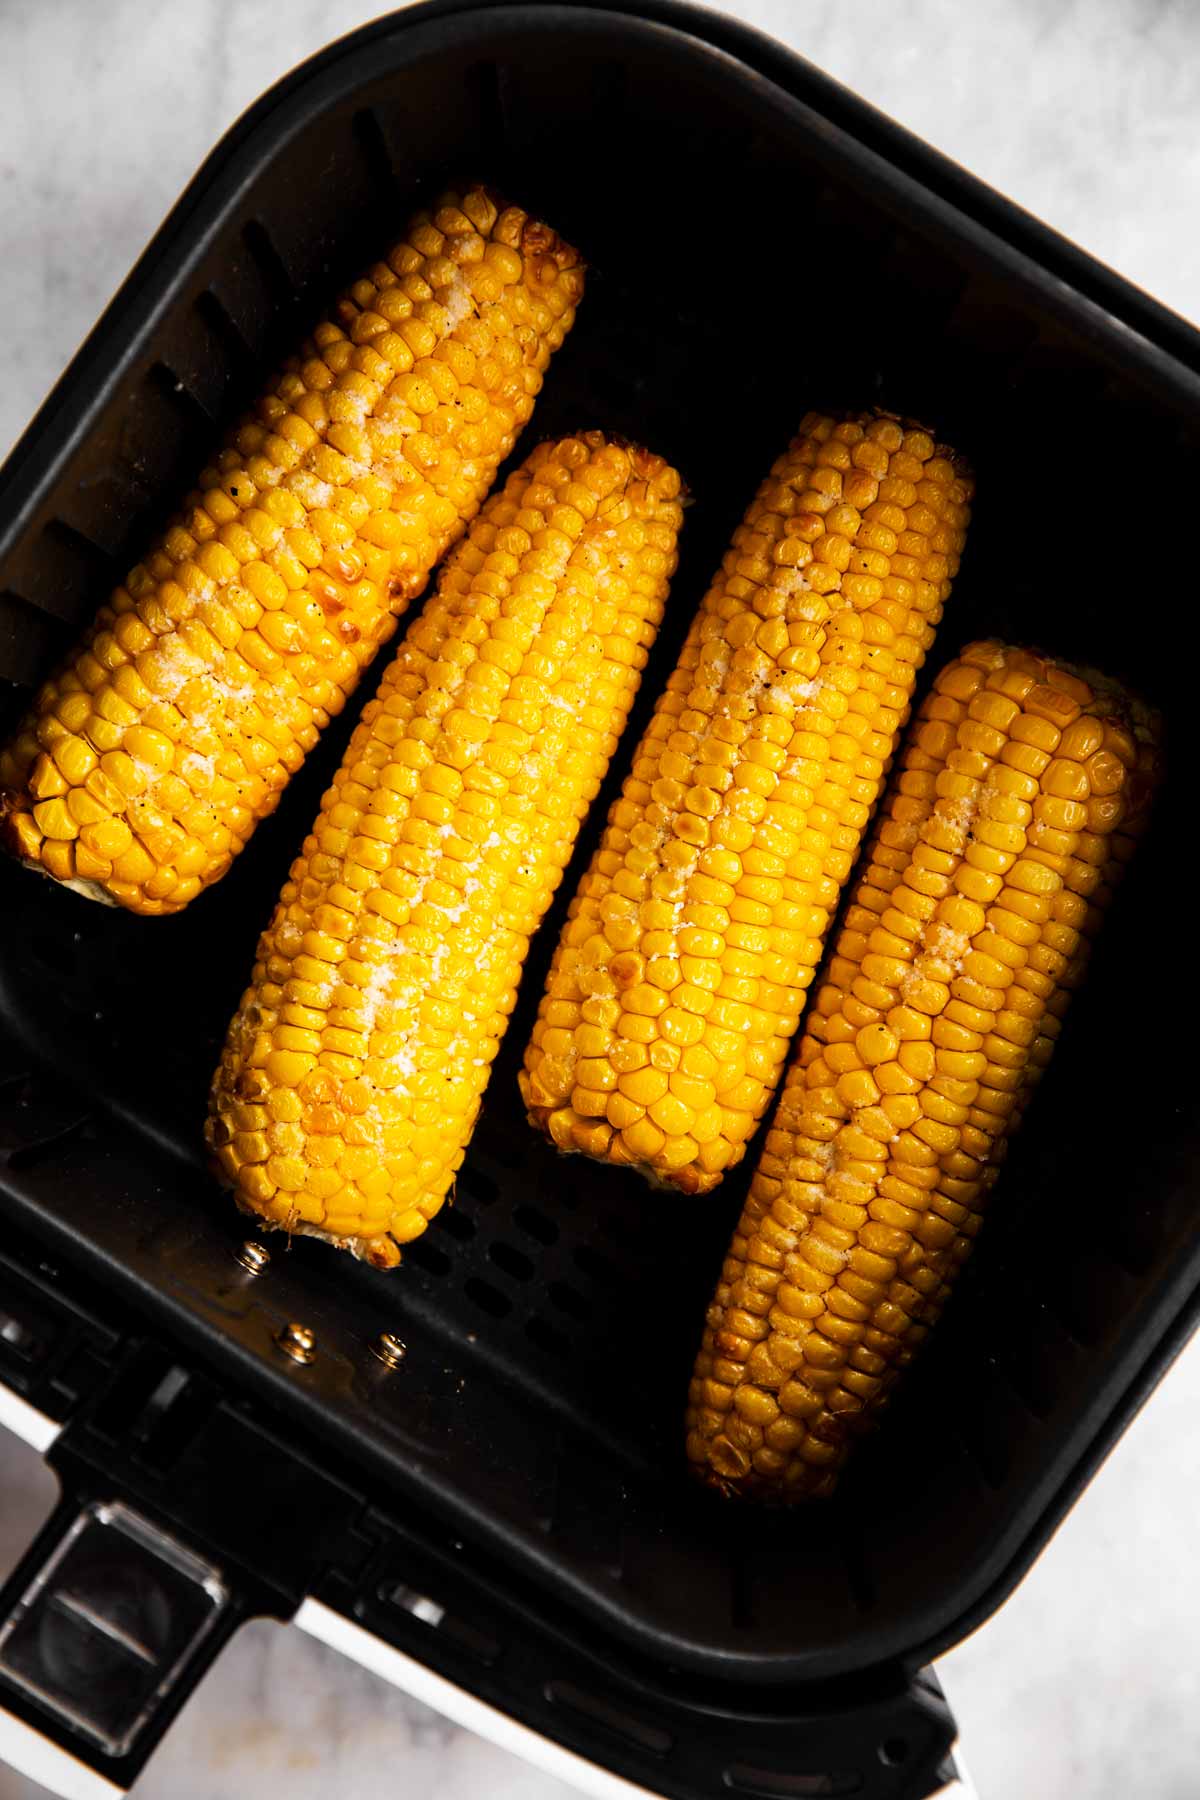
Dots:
{"x": 390, "y": 1349}
{"x": 298, "y": 1342}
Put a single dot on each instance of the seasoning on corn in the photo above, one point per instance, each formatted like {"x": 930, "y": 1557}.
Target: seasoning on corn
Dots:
{"x": 353, "y": 1070}
{"x": 682, "y": 969}
{"x": 150, "y": 756}
{"x": 1021, "y": 789}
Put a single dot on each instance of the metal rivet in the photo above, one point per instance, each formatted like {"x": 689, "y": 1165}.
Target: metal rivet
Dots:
{"x": 390, "y": 1349}
{"x": 298, "y": 1342}
{"x": 253, "y": 1258}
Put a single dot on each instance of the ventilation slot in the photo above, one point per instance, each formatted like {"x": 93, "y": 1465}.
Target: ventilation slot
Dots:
{"x": 28, "y": 638}
{"x": 596, "y": 1266}
{"x": 544, "y": 1336}
{"x": 853, "y": 1538}
{"x": 781, "y": 1784}
{"x": 990, "y": 1427}
{"x": 626, "y": 1233}
{"x": 496, "y": 1143}
{"x": 463, "y": 1633}
{"x": 612, "y": 1719}
{"x": 278, "y": 282}
{"x": 375, "y": 153}
{"x": 488, "y": 1298}
{"x": 1089, "y": 1297}
{"x": 179, "y": 395}
{"x": 226, "y": 332}
{"x": 427, "y": 1256}
{"x": 1137, "y": 1238}
{"x": 742, "y": 1613}
{"x": 569, "y": 1301}
{"x": 479, "y": 1187}
{"x": 513, "y": 1262}
{"x": 1032, "y": 1364}
{"x": 66, "y": 571}
{"x": 455, "y": 1223}
{"x": 535, "y": 1224}
{"x": 32, "y": 1156}
{"x": 487, "y": 83}
{"x": 74, "y": 541}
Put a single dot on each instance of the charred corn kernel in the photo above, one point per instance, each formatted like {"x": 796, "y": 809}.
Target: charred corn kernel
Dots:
{"x": 376, "y": 1006}
{"x": 721, "y": 863}
{"x": 249, "y": 621}
{"x": 860, "y": 1215}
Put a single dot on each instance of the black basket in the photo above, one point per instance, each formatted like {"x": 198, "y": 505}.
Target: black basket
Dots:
{"x": 759, "y": 241}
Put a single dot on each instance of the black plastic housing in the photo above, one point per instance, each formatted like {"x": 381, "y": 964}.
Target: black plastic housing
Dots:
{"x": 758, "y": 241}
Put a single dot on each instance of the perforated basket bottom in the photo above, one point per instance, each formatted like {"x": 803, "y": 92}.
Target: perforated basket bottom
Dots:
{"x": 747, "y": 259}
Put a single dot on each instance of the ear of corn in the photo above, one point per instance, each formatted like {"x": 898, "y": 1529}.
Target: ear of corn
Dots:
{"x": 1020, "y": 791}
{"x": 150, "y": 756}
{"x": 682, "y": 969}
{"x": 353, "y": 1071}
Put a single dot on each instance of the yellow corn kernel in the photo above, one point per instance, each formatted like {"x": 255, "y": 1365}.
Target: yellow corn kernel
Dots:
{"x": 53, "y": 819}
{"x": 751, "y": 788}
{"x": 375, "y": 1024}
{"x": 860, "y": 1214}
{"x": 252, "y": 617}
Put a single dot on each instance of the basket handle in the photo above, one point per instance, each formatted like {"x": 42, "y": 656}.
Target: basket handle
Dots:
{"x": 126, "y": 1597}
{"x": 107, "y": 1624}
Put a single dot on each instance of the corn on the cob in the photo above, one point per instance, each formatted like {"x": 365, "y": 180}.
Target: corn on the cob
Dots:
{"x": 682, "y": 969}
{"x": 1021, "y": 787}
{"x": 150, "y": 756}
{"x": 353, "y": 1071}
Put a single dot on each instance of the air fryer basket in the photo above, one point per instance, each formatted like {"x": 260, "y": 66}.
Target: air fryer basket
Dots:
{"x": 758, "y": 242}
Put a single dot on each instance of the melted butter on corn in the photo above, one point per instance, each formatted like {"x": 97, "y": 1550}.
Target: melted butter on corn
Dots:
{"x": 353, "y": 1071}
{"x": 150, "y": 756}
{"x": 1019, "y": 797}
{"x": 682, "y": 970}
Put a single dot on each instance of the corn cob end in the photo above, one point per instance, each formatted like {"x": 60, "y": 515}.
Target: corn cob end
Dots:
{"x": 20, "y": 837}
{"x": 381, "y": 1252}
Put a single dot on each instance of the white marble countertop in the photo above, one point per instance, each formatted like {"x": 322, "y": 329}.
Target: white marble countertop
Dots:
{"x": 1087, "y": 1684}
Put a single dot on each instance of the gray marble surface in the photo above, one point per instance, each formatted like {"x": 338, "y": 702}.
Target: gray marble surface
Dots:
{"x": 1087, "y": 1685}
